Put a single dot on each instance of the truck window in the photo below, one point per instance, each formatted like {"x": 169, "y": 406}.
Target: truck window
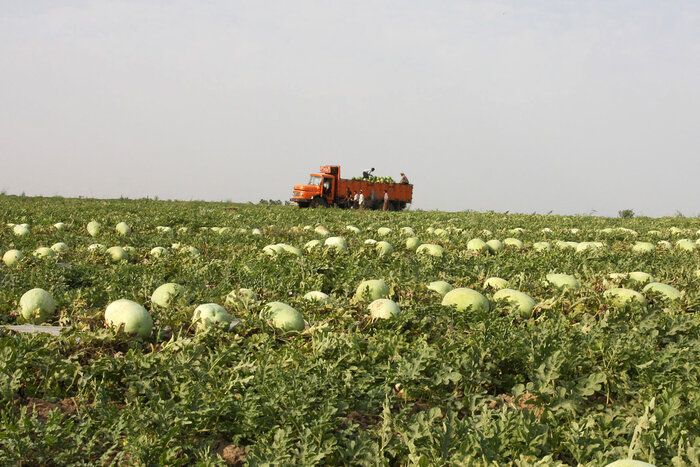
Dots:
{"x": 314, "y": 180}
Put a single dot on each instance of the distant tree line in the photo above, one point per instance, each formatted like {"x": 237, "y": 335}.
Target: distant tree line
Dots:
{"x": 626, "y": 213}
{"x": 273, "y": 202}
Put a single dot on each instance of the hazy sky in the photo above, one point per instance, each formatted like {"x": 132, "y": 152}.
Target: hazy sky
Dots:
{"x": 537, "y": 106}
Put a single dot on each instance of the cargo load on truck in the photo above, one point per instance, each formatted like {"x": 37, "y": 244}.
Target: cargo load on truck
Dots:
{"x": 326, "y": 188}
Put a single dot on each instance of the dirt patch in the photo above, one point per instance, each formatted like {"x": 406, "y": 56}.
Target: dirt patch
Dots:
{"x": 527, "y": 401}
{"x": 418, "y": 407}
{"x": 42, "y": 408}
{"x": 230, "y": 453}
{"x": 363, "y": 420}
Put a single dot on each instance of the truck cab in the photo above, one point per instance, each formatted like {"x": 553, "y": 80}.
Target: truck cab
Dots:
{"x": 318, "y": 192}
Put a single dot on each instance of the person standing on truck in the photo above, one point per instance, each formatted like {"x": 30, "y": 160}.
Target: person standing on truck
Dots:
{"x": 386, "y": 201}
{"x": 404, "y": 179}
{"x": 367, "y": 173}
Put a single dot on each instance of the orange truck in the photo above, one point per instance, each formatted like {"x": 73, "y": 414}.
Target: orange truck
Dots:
{"x": 326, "y": 188}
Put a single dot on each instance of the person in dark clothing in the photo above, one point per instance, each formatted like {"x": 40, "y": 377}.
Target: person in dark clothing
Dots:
{"x": 404, "y": 179}
{"x": 367, "y": 173}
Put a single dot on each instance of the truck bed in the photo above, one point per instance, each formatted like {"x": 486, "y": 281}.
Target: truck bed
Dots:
{"x": 398, "y": 192}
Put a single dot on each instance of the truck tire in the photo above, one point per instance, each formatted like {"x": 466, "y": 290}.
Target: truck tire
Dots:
{"x": 319, "y": 202}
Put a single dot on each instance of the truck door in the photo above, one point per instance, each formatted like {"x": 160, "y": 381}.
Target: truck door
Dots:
{"x": 328, "y": 189}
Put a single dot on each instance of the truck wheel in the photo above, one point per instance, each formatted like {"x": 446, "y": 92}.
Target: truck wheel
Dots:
{"x": 303, "y": 205}
{"x": 319, "y": 203}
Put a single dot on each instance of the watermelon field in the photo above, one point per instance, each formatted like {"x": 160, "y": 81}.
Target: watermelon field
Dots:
{"x": 430, "y": 338}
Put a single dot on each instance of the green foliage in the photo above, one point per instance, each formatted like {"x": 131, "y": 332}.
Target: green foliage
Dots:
{"x": 375, "y": 179}
{"x": 577, "y": 381}
{"x": 626, "y": 213}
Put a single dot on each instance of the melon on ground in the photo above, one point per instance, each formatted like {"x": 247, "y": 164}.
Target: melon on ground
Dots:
{"x": 383, "y": 308}
{"x": 271, "y": 308}
{"x": 667, "y": 291}
{"x": 514, "y": 243}
{"x": 241, "y": 299}
{"x": 12, "y": 257}
{"x": 477, "y": 244}
{"x": 412, "y": 243}
{"x": 496, "y": 283}
{"x": 336, "y": 243}
{"x": 59, "y": 247}
{"x": 640, "y": 277}
{"x": 169, "y": 294}
{"x": 430, "y": 249}
{"x": 286, "y": 318}
{"x": 97, "y": 248}
{"x": 384, "y": 248}
{"x": 317, "y": 296}
{"x": 372, "y": 289}
{"x": 495, "y": 246}
{"x": 94, "y": 228}
{"x": 466, "y": 299}
{"x": 44, "y": 252}
{"x": 20, "y": 230}
{"x": 520, "y": 301}
{"x": 643, "y": 247}
{"x": 563, "y": 281}
{"x": 209, "y": 315}
{"x": 131, "y": 317}
{"x": 686, "y": 245}
{"x": 123, "y": 228}
{"x": 440, "y": 287}
{"x": 311, "y": 244}
{"x": 117, "y": 253}
{"x": 622, "y": 297}
{"x": 629, "y": 463}
{"x": 37, "y": 305}
{"x": 158, "y": 252}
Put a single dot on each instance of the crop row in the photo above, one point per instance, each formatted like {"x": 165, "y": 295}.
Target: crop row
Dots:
{"x": 483, "y": 355}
